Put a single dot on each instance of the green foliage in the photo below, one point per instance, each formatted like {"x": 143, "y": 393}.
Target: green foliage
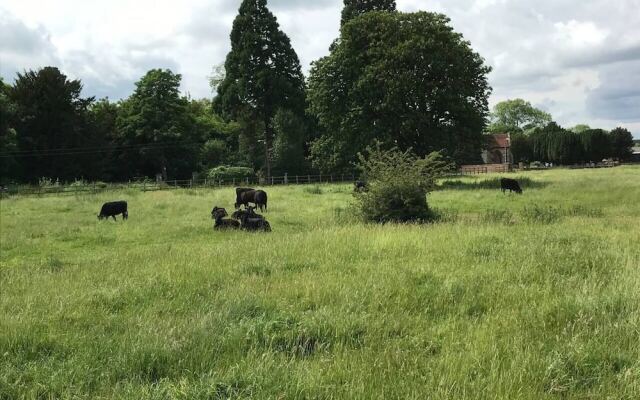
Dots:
{"x": 9, "y": 164}
{"x": 227, "y": 174}
{"x": 155, "y": 123}
{"x": 521, "y": 147}
{"x": 512, "y": 116}
{"x": 555, "y": 144}
{"x": 580, "y": 128}
{"x": 621, "y": 143}
{"x": 397, "y": 183}
{"x": 596, "y": 145}
{"x": 262, "y": 74}
{"x": 406, "y": 79}
{"x": 49, "y": 114}
{"x": 355, "y": 8}
{"x": 288, "y": 147}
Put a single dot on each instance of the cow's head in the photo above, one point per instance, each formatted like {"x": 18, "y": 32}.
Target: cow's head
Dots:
{"x": 218, "y": 212}
{"x": 100, "y": 216}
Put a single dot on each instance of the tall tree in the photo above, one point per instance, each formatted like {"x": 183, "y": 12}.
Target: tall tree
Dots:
{"x": 9, "y": 163}
{"x": 596, "y": 145}
{"x": 51, "y": 117}
{"x": 405, "y": 79}
{"x": 157, "y": 129}
{"x": 103, "y": 116}
{"x": 517, "y": 116}
{"x": 262, "y": 74}
{"x": 621, "y": 143}
{"x": 355, "y": 8}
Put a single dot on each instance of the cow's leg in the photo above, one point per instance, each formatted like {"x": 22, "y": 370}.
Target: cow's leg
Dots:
{"x": 125, "y": 215}
{"x": 114, "y": 217}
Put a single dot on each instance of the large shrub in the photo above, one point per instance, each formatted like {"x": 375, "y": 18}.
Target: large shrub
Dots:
{"x": 225, "y": 173}
{"x": 398, "y": 183}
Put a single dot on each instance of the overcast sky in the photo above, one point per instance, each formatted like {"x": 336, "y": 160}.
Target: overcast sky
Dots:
{"x": 578, "y": 60}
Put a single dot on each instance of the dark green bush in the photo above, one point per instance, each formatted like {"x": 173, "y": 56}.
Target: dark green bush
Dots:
{"x": 398, "y": 183}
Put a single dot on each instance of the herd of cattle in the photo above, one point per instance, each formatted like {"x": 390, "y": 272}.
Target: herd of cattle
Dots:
{"x": 247, "y": 218}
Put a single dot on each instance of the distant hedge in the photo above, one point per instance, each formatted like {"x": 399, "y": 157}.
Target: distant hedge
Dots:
{"x": 226, "y": 173}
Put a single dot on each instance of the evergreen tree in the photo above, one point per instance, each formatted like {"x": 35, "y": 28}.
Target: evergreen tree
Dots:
{"x": 157, "y": 130}
{"x": 355, "y": 8}
{"x": 262, "y": 76}
{"x": 50, "y": 116}
{"x": 9, "y": 163}
{"x": 621, "y": 143}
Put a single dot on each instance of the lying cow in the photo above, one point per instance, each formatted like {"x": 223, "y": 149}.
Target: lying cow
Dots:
{"x": 112, "y": 209}
{"x": 244, "y": 196}
{"x": 511, "y": 185}
{"x": 221, "y": 223}
{"x": 250, "y": 221}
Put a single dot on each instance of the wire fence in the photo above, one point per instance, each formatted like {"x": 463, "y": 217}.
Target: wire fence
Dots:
{"x": 76, "y": 188}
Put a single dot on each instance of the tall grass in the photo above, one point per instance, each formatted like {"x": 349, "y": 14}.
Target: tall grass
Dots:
{"x": 491, "y": 303}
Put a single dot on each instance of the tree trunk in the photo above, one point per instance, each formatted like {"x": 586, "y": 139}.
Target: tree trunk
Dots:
{"x": 268, "y": 135}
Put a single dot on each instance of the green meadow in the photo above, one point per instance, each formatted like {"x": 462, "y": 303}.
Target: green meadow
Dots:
{"x": 503, "y": 297}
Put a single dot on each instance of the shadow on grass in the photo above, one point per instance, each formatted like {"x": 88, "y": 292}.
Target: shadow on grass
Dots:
{"x": 493, "y": 183}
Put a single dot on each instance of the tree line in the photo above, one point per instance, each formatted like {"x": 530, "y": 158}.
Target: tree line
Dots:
{"x": 404, "y": 79}
{"x": 536, "y": 137}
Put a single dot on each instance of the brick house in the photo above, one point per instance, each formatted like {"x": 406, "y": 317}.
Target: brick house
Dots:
{"x": 497, "y": 149}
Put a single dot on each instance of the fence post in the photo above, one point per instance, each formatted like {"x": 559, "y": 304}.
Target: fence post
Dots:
{"x": 296, "y": 179}
{"x": 308, "y": 178}
{"x": 144, "y": 186}
{"x": 320, "y": 178}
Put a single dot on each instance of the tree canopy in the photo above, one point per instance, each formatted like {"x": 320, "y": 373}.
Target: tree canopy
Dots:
{"x": 156, "y": 129}
{"x": 405, "y": 79}
{"x": 50, "y": 115}
{"x": 355, "y": 8}
{"x": 262, "y": 74}
{"x": 517, "y": 116}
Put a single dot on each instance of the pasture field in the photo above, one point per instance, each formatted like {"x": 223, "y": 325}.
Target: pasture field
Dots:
{"x": 505, "y": 297}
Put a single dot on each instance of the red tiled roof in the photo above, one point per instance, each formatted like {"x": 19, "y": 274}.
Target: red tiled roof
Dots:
{"x": 500, "y": 140}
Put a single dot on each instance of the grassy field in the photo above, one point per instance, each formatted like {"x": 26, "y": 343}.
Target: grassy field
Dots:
{"x": 506, "y": 297}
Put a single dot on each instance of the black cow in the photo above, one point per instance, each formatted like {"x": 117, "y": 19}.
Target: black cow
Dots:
{"x": 250, "y": 221}
{"x": 510, "y": 184}
{"x": 244, "y": 196}
{"x": 114, "y": 208}
{"x": 360, "y": 186}
{"x": 218, "y": 214}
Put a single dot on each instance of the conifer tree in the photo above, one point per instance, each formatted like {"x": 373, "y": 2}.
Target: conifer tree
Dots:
{"x": 262, "y": 73}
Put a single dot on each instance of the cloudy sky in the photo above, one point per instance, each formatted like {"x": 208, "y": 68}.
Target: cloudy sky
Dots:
{"x": 578, "y": 60}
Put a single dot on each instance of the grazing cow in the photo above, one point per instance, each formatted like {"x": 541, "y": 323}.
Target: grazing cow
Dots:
{"x": 510, "y": 184}
{"x": 114, "y": 208}
{"x": 360, "y": 186}
{"x": 250, "y": 221}
{"x": 257, "y": 197}
{"x": 218, "y": 215}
